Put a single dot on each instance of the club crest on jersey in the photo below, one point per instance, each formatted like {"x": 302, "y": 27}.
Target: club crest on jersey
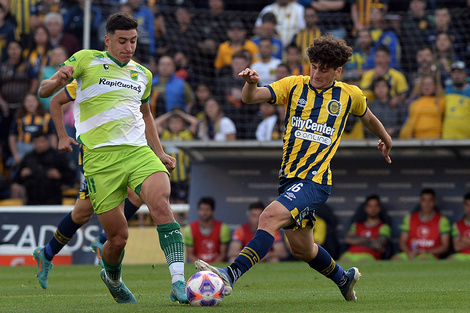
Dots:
{"x": 134, "y": 75}
{"x": 334, "y": 107}
{"x": 106, "y": 68}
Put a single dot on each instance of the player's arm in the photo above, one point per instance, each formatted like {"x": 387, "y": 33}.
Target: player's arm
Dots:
{"x": 61, "y": 78}
{"x": 153, "y": 139}
{"x": 443, "y": 247}
{"x": 353, "y": 239}
{"x": 373, "y": 124}
{"x": 251, "y": 93}
{"x": 404, "y": 244}
{"x": 55, "y": 106}
{"x": 461, "y": 242}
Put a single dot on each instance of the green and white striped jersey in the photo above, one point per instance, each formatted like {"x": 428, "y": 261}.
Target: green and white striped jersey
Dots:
{"x": 109, "y": 95}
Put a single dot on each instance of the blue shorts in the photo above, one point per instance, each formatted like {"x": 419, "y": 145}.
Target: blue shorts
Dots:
{"x": 83, "y": 191}
{"x": 302, "y": 197}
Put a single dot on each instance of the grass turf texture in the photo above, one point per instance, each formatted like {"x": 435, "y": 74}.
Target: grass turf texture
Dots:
{"x": 434, "y": 286}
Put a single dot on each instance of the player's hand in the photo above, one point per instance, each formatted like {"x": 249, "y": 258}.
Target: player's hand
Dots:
{"x": 65, "y": 144}
{"x": 64, "y": 74}
{"x": 168, "y": 161}
{"x": 385, "y": 149}
{"x": 249, "y": 75}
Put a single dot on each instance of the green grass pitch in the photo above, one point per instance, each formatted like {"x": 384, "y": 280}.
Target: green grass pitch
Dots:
{"x": 434, "y": 286}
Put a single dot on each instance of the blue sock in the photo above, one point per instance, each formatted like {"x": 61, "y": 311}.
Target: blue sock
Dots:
{"x": 129, "y": 209}
{"x": 103, "y": 238}
{"x": 254, "y": 251}
{"x": 65, "y": 231}
{"x": 325, "y": 264}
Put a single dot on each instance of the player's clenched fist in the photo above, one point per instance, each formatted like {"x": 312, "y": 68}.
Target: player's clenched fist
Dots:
{"x": 64, "y": 74}
{"x": 249, "y": 75}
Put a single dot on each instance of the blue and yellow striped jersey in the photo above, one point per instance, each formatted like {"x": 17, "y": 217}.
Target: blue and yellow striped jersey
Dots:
{"x": 314, "y": 123}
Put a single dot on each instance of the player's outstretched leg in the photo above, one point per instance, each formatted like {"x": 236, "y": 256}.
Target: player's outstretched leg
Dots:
{"x": 221, "y": 272}
{"x": 44, "y": 266}
{"x": 120, "y": 292}
{"x": 347, "y": 290}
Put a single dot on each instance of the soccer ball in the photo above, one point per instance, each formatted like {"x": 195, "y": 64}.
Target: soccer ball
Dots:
{"x": 205, "y": 289}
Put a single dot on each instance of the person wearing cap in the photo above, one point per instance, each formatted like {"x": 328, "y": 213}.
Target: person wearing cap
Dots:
{"x": 457, "y": 111}
{"x": 236, "y": 42}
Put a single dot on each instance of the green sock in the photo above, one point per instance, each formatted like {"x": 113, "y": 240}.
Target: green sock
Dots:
{"x": 171, "y": 242}
{"x": 113, "y": 271}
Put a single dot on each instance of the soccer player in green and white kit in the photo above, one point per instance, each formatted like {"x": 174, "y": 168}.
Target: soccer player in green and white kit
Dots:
{"x": 114, "y": 123}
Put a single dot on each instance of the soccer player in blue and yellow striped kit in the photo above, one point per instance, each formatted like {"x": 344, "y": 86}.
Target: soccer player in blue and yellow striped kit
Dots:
{"x": 317, "y": 107}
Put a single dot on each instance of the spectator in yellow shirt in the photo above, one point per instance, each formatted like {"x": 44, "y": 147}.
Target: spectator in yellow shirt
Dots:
{"x": 398, "y": 83}
{"x": 237, "y": 42}
{"x": 426, "y": 112}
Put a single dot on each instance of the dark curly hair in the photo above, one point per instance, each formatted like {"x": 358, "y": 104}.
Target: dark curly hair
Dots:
{"x": 329, "y": 52}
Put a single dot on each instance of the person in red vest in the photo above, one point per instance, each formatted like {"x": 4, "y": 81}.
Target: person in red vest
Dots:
{"x": 244, "y": 233}
{"x": 369, "y": 234}
{"x": 461, "y": 233}
{"x": 425, "y": 234}
{"x": 206, "y": 239}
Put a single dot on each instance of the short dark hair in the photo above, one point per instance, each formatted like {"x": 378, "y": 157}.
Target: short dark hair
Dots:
{"x": 121, "y": 21}
{"x": 466, "y": 196}
{"x": 207, "y": 200}
{"x": 256, "y": 205}
{"x": 329, "y": 52}
{"x": 382, "y": 48}
{"x": 380, "y": 79}
{"x": 373, "y": 197}
{"x": 265, "y": 39}
{"x": 269, "y": 17}
{"x": 240, "y": 54}
{"x": 428, "y": 191}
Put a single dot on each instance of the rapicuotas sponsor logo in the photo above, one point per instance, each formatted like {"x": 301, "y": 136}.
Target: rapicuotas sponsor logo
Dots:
{"x": 119, "y": 84}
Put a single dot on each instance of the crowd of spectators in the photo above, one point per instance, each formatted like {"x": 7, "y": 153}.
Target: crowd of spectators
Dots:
{"x": 410, "y": 58}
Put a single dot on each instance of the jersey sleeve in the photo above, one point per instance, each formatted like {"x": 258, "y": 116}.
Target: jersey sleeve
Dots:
{"x": 455, "y": 231}
{"x": 280, "y": 89}
{"x": 71, "y": 90}
{"x": 76, "y": 60}
{"x": 188, "y": 236}
{"x": 444, "y": 226}
{"x": 405, "y": 226}
{"x": 224, "y": 234}
{"x": 148, "y": 89}
{"x": 358, "y": 102}
{"x": 385, "y": 231}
